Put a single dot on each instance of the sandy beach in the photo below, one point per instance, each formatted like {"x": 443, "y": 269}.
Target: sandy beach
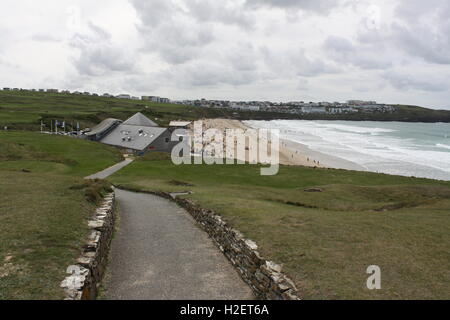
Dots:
{"x": 291, "y": 153}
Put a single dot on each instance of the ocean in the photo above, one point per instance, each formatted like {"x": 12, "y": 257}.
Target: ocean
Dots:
{"x": 399, "y": 148}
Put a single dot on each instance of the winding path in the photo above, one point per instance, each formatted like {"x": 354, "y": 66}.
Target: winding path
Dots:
{"x": 111, "y": 170}
{"x": 159, "y": 253}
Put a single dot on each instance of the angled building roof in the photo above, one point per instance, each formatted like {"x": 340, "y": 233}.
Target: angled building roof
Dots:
{"x": 133, "y": 136}
{"x": 103, "y": 127}
{"x": 140, "y": 120}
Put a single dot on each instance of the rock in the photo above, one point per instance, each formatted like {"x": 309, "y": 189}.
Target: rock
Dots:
{"x": 251, "y": 244}
{"x": 273, "y": 266}
{"x": 96, "y": 224}
{"x": 289, "y": 295}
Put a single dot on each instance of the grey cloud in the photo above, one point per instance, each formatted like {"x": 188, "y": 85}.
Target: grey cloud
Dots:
{"x": 212, "y": 74}
{"x": 98, "y": 55}
{"x": 425, "y": 29}
{"x": 318, "y": 6}
{"x": 243, "y": 57}
{"x": 420, "y": 29}
{"x": 199, "y": 74}
{"x": 154, "y": 12}
{"x": 177, "y": 43}
{"x": 177, "y": 38}
{"x": 421, "y": 41}
{"x": 365, "y": 56}
{"x": 295, "y": 63}
{"x": 225, "y": 12}
{"x": 308, "y": 67}
{"x": 422, "y": 82}
{"x": 101, "y": 59}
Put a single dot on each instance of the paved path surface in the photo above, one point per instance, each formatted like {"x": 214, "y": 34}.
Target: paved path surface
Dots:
{"x": 109, "y": 171}
{"x": 159, "y": 253}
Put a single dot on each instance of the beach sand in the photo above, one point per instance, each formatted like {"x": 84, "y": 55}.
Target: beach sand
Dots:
{"x": 291, "y": 153}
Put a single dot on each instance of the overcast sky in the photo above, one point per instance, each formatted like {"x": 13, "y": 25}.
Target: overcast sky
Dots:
{"x": 392, "y": 51}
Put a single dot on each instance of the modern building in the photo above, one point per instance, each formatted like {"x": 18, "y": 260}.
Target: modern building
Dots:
{"x": 360, "y": 102}
{"x": 123, "y": 96}
{"x": 155, "y": 99}
{"x": 313, "y": 109}
{"x": 136, "y": 135}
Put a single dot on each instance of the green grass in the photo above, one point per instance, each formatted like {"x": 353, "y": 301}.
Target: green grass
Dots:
{"x": 24, "y": 110}
{"x": 43, "y": 210}
{"x": 325, "y": 240}
{"x": 71, "y": 156}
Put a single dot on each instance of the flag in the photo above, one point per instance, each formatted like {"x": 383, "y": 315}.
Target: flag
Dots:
{"x": 63, "y": 124}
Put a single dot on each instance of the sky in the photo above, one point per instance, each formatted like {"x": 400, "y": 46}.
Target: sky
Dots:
{"x": 391, "y": 51}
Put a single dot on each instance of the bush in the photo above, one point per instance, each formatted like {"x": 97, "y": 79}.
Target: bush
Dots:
{"x": 94, "y": 190}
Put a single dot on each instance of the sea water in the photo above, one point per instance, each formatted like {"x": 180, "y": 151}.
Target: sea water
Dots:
{"x": 400, "y": 148}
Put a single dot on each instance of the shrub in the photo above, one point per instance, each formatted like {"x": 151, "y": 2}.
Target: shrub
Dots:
{"x": 94, "y": 190}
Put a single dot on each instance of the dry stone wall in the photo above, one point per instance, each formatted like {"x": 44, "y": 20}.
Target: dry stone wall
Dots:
{"x": 88, "y": 271}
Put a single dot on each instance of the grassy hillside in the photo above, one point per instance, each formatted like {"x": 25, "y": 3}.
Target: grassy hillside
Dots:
{"x": 24, "y": 110}
{"x": 325, "y": 240}
{"x": 44, "y": 207}
{"x": 403, "y": 114}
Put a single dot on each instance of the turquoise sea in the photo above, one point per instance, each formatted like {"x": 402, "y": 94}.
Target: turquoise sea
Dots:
{"x": 409, "y": 149}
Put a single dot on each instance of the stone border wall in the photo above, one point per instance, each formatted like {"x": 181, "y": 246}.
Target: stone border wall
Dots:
{"x": 264, "y": 277}
{"x": 88, "y": 271}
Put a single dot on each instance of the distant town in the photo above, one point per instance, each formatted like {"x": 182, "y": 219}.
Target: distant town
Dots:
{"x": 293, "y": 107}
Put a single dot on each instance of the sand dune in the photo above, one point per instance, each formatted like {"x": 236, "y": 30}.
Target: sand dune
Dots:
{"x": 290, "y": 153}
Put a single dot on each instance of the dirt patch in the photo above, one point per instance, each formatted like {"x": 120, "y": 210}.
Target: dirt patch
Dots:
{"x": 313, "y": 190}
